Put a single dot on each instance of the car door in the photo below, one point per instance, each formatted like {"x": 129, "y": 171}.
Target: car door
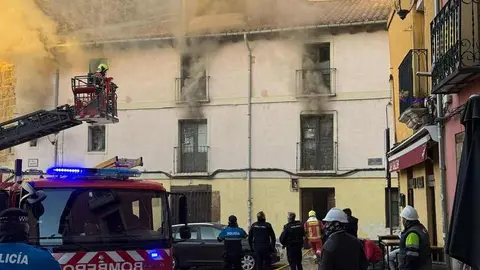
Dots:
{"x": 212, "y": 250}
{"x": 187, "y": 251}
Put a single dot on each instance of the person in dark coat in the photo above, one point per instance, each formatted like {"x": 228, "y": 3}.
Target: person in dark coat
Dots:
{"x": 292, "y": 238}
{"x": 341, "y": 251}
{"x": 232, "y": 236}
{"x": 352, "y": 226}
{"x": 261, "y": 239}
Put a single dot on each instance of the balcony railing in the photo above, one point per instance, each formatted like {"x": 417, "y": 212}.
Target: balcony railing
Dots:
{"x": 190, "y": 159}
{"x": 316, "y": 82}
{"x": 455, "y": 46}
{"x": 192, "y": 89}
{"x": 316, "y": 156}
{"x": 413, "y": 89}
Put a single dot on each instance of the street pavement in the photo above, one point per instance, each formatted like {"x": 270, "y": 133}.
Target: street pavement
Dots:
{"x": 308, "y": 262}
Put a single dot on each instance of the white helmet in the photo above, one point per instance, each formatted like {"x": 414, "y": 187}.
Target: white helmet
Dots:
{"x": 336, "y": 214}
{"x": 409, "y": 213}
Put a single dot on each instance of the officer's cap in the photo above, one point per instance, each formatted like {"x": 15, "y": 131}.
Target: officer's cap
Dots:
{"x": 232, "y": 219}
{"x": 13, "y": 215}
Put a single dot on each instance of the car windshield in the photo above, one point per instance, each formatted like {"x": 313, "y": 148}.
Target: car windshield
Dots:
{"x": 85, "y": 217}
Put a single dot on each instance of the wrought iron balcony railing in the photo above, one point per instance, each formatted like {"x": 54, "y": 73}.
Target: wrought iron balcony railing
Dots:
{"x": 316, "y": 156}
{"x": 190, "y": 159}
{"x": 413, "y": 89}
{"x": 455, "y": 45}
{"x": 316, "y": 82}
{"x": 192, "y": 89}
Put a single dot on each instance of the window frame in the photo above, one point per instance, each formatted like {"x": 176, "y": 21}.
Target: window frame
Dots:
{"x": 33, "y": 146}
{"x": 180, "y": 154}
{"x": 209, "y": 227}
{"x": 182, "y": 76}
{"x": 334, "y": 140}
{"x": 89, "y": 139}
{"x": 395, "y": 216}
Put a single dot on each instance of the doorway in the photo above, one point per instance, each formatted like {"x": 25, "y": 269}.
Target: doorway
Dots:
{"x": 318, "y": 199}
{"x": 431, "y": 206}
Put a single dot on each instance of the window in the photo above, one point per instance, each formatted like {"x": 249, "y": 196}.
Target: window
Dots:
{"x": 193, "y": 231}
{"x": 317, "y": 143}
{"x": 193, "y": 150}
{"x": 95, "y": 217}
{"x": 459, "y": 137}
{"x": 316, "y": 69}
{"x": 96, "y": 139}
{"x": 193, "y": 80}
{"x": 33, "y": 143}
{"x": 93, "y": 64}
{"x": 209, "y": 233}
{"x": 395, "y": 205}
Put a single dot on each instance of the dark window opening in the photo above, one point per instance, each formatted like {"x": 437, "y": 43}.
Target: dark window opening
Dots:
{"x": 193, "y": 149}
{"x": 96, "y": 139}
{"x": 316, "y": 75}
{"x": 459, "y": 137}
{"x": 317, "y": 142}
{"x": 394, "y": 208}
{"x": 193, "y": 80}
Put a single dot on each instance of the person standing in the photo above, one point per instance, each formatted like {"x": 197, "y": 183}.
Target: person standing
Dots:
{"x": 232, "y": 236}
{"x": 352, "y": 226}
{"x": 314, "y": 231}
{"x": 261, "y": 239}
{"x": 341, "y": 251}
{"x": 414, "y": 251}
{"x": 14, "y": 230}
{"x": 292, "y": 238}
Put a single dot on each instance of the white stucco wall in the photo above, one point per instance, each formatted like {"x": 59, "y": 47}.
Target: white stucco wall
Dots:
{"x": 149, "y": 116}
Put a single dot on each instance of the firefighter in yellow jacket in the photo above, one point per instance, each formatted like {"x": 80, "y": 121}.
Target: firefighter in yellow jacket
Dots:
{"x": 313, "y": 230}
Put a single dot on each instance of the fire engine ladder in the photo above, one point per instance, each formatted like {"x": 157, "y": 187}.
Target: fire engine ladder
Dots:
{"x": 36, "y": 125}
{"x": 116, "y": 162}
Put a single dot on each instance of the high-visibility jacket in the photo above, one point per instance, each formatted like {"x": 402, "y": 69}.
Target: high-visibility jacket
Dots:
{"x": 313, "y": 230}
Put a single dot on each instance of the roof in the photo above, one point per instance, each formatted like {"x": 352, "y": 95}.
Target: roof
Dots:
{"x": 257, "y": 16}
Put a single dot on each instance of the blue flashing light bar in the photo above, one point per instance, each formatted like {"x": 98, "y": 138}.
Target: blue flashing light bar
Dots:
{"x": 93, "y": 172}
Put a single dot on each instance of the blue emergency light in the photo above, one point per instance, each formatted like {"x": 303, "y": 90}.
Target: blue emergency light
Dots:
{"x": 93, "y": 172}
{"x": 154, "y": 255}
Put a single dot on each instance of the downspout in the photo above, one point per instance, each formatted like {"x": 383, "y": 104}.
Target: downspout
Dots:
{"x": 441, "y": 159}
{"x": 57, "y": 87}
{"x": 388, "y": 175}
{"x": 249, "y": 115}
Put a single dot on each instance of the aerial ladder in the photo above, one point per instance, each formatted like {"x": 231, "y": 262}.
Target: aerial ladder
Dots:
{"x": 93, "y": 104}
{"x": 117, "y": 162}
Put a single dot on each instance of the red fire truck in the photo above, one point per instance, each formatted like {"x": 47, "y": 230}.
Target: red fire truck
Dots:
{"x": 90, "y": 218}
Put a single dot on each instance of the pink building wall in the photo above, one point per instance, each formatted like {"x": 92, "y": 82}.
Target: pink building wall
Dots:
{"x": 452, "y": 127}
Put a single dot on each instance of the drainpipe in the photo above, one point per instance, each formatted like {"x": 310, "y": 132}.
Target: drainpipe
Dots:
{"x": 249, "y": 114}
{"x": 388, "y": 175}
{"x": 441, "y": 159}
{"x": 57, "y": 87}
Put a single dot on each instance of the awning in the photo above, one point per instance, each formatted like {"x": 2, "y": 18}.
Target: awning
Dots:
{"x": 413, "y": 150}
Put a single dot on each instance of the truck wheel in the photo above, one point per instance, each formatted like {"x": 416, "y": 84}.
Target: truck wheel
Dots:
{"x": 176, "y": 265}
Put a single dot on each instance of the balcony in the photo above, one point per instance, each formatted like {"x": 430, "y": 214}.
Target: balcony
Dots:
{"x": 192, "y": 89}
{"x": 413, "y": 89}
{"x": 315, "y": 82}
{"x": 313, "y": 156}
{"x": 455, "y": 46}
{"x": 190, "y": 159}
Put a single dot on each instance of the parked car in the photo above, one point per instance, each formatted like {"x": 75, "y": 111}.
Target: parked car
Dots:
{"x": 204, "y": 250}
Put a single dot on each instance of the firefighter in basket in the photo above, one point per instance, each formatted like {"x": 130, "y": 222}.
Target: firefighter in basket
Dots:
{"x": 100, "y": 80}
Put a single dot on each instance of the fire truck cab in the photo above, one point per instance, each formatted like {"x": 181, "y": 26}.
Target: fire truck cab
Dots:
{"x": 91, "y": 218}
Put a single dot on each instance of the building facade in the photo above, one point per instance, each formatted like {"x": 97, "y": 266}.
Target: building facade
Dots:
{"x": 305, "y": 103}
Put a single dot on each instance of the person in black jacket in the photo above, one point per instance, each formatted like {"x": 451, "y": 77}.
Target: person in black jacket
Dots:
{"x": 292, "y": 238}
{"x": 232, "y": 236}
{"x": 352, "y": 226}
{"x": 261, "y": 239}
{"x": 341, "y": 251}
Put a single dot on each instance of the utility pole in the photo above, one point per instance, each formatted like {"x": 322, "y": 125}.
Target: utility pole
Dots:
{"x": 55, "y": 140}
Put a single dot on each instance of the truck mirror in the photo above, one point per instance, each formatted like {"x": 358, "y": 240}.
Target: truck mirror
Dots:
{"x": 185, "y": 232}
{"x": 182, "y": 210}
{"x": 37, "y": 210}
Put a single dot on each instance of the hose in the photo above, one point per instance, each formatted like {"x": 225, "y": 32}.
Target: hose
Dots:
{"x": 286, "y": 265}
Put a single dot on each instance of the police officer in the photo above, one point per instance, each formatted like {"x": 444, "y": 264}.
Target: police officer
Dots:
{"x": 414, "y": 251}
{"x": 292, "y": 238}
{"x": 262, "y": 241}
{"x": 232, "y": 237}
{"x": 15, "y": 253}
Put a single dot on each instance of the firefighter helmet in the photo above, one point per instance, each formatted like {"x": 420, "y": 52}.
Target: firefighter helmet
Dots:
{"x": 409, "y": 213}
{"x": 102, "y": 68}
{"x": 312, "y": 213}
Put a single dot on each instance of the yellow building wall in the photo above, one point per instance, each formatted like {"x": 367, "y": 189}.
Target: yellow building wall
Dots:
{"x": 438, "y": 204}
{"x": 366, "y": 198}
